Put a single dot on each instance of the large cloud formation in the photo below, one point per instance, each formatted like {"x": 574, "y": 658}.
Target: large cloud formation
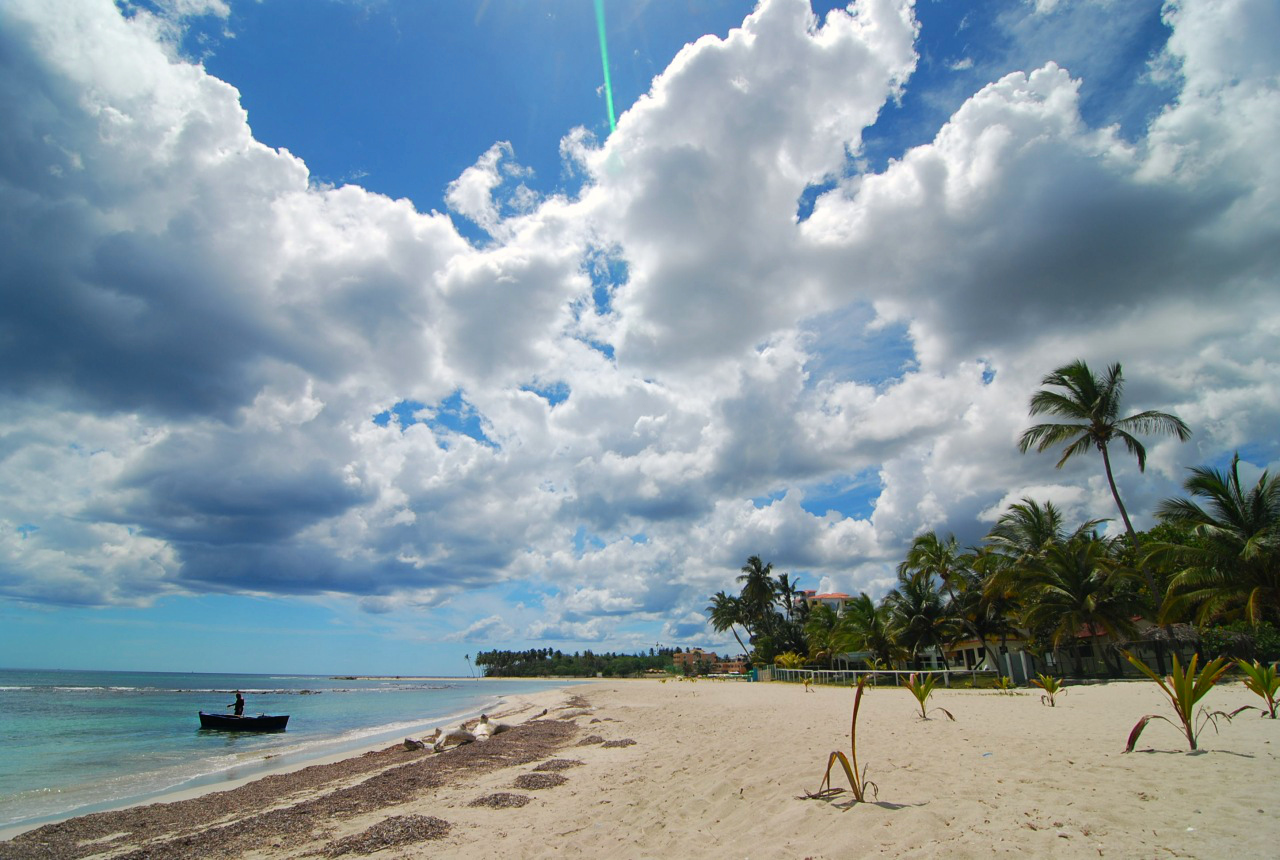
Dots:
{"x": 220, "y": 376}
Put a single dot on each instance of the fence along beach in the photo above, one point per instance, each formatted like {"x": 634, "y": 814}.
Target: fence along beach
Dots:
{"x": 718, "y": 769}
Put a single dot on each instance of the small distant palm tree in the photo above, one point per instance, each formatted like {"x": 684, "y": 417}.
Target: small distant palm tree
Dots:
{"x": 758, "y": 597}
{"x": 1019, "y": 539}
{"x": 981, "y": 614}
{"x": 787, "y": 592}
{"x": 1001, "y": 595}
{"x": 726, "y": 611}
{"x": 1233, "y": 564}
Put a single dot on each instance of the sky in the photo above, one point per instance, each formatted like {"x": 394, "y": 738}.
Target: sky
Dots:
{"x": 352, "y": 336}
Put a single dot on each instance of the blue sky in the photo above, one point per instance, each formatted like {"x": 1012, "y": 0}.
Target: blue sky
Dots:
{"x": 347, "y": 337}
{"x": 402, "y": 97}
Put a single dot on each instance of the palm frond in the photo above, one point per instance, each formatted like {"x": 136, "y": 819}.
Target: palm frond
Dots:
{"x": 1134, "y": 447}
{"x": 1081, "y": 445}
{"x": 1152, "y": 421}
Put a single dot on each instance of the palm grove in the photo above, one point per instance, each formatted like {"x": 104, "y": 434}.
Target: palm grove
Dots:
{"x": 1206, "y": 577}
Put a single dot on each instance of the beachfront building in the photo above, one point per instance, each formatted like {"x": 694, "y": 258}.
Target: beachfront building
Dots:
{"x": 732, "y": 666}
{"x": 1009, "y": 658}
{"x": 695, "y": 661}
{"x": 836, "y": 600}
{"x": 1091, "y": 652}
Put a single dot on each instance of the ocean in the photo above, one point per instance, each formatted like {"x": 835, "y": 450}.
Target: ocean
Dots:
{"x": 78, "y": 742}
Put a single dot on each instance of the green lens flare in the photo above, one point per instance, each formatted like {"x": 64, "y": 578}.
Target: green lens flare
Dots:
{"x": 604, "y": 59}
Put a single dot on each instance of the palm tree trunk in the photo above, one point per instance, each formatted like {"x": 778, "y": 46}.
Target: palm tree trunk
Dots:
{"x": 1074, "y": 650}
{"x": 1098, "y": 658}
{"x": 992, "y": 656}
{"x": 1115, "y": 494}
{"x": 1157, "y": 598}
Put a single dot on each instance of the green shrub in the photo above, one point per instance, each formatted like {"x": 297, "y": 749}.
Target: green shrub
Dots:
{"x": 1240, "y": 640}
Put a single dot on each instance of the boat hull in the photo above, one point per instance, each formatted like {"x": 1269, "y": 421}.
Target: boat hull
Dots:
{"x": 228, "y": 723}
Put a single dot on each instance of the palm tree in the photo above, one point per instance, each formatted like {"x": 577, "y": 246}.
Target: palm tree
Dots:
{"x": 1027, "y": 529}
{"x": 1001, "y": 592}
{"x": 787, "y": 592}
{"x": 980, "y": 613}
{"x": 1020, "y": 537}
{"x": 822, "y": 631}
{"x": 759, "y": 591}
{"x": 1233, "y": 563}
{"x": 919, "y": 619}
{"x": 1092, "y": 406}
{"x": 726, "y": 611}
{"x": 1077, "y": 587}
{"x": 866, "y": 627}
{"x": 930, "y": 555}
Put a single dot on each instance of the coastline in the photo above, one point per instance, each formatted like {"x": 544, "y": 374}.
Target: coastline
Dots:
{"x": 277, "y": 764}
{"x": 644, "y": 768}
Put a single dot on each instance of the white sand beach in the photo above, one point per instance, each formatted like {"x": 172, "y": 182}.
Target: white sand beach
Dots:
{"x": 718, "y": 769}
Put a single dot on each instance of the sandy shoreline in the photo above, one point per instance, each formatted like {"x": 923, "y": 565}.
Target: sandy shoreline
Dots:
{"x": 274, "y": 764}
{"x": 716, "y": 769}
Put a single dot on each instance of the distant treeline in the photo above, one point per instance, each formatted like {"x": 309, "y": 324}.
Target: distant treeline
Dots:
{"x": 541, "y": 662}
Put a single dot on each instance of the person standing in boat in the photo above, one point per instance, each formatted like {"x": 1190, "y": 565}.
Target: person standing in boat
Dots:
{"x": 238, "y": 704}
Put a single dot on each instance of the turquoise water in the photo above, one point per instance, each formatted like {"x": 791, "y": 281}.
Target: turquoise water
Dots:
{"x": 77, "y": 742}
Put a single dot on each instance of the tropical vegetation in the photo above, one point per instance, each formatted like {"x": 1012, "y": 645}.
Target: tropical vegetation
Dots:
{"x": 1052, "y": 687}
{"x": 1263, "y": 681}
{"x": 922, "y": 689}
{"x": 1184, "y": 688}
{"x": 545, "y": 662}
{"x": 1204, "y": 580}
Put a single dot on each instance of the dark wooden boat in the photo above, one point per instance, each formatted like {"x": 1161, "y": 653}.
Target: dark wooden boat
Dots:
{"x": 228, "y": 723}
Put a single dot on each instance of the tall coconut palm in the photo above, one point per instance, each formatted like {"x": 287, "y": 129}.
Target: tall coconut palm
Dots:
{"x": 1233, "y": 565}
{"x": 1092, "y": 408}
{"x": 726, "y": 612}
{"x": 1076, "y": 587}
